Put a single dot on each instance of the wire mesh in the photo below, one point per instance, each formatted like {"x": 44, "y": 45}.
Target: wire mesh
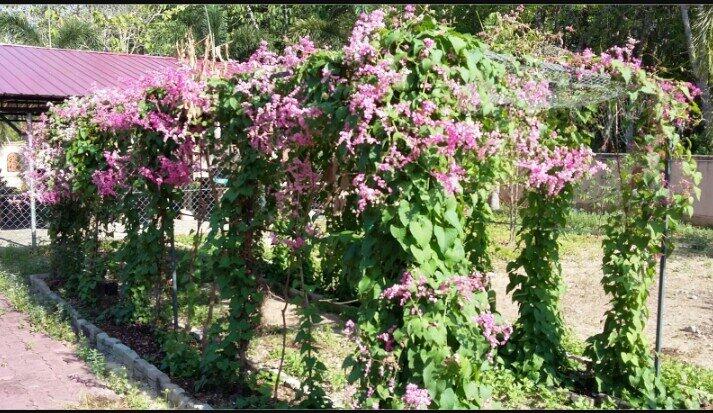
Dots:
{"x": 570, "y": 88}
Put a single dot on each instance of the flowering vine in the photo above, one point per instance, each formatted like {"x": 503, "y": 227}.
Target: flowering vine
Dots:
{"x": 397, "y": 140}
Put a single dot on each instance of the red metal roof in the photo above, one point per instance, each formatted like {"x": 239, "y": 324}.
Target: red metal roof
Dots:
{"x": 40, "y": 72}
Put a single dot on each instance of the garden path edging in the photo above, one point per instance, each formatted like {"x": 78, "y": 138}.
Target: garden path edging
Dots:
{"x": 136, "y": 367}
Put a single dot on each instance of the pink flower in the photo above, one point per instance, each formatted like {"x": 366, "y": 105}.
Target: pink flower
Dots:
{"x": 388, "y": 338}
{"x": 553, "y": 170}
{"x": 416, "y": 398}
{"x": 295, "y": 243}
{"x": 349, "y": 329}
{"x": 359, "y": 48}
{"x": 465, "y": 285}
{"x": 491, "y": 331}
{"x": 400, "y": 291}
{"x": 451, "y": 179}
{"x": 175, "y": 173}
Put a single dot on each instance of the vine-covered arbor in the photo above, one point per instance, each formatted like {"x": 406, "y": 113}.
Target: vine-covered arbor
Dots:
{"x": 385, "y": 152}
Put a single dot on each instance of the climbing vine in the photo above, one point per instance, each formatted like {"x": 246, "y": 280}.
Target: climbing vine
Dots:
{"x": 388, "y": 148}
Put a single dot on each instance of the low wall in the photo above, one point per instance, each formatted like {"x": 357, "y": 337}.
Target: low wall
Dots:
{"x": 591, "y": 193}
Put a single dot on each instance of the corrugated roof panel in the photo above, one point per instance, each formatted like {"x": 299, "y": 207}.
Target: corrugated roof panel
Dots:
{"x": 18, "y": 67}
{"x": 39, "y": 71}
{"x": 52, "y": 80}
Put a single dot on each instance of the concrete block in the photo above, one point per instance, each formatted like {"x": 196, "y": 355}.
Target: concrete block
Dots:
{"x": 153, "y": 377}
{"x": 175, "y": 395}
{"x": 163, "y": 381}
{"x": 102, "y": 343}
{"x": 54, "y": 297}
{"x": 90, "y": 331}
{"x": 125, "y": 355}
{"x": 186, "y": 402}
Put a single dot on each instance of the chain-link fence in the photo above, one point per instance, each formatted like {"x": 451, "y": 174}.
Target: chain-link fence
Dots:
{"x": 16, "y": 219}
{"x": 194, "y": 209}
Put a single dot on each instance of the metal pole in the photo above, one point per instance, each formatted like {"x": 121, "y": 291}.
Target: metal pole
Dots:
{"x": 662, "y": 273}
{"x": 33, "y": 216}
{"x": 174, "y": 279}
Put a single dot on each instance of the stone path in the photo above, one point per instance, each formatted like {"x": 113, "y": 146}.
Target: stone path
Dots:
{"x": 37, "y": 372}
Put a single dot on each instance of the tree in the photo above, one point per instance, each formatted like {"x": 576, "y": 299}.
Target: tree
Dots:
{"x": 700, "y": 43}
{"x": 69, "y": 32}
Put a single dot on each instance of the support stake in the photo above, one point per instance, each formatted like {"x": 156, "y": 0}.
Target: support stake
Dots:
{"x": 662, "y": 273}
{"x": 174, "y": 279}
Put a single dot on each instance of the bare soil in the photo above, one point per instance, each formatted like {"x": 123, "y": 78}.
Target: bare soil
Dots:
{"x": 688, "y": 311}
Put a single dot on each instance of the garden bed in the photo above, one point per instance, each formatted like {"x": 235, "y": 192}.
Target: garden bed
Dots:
{"x": 144, "y": 340}
{"x": 136, "y": 366}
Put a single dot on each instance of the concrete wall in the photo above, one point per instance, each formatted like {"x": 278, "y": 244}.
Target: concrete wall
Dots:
{"x": 591, "y": 193}
{"x": 703, "y": 208}
{"x": 11, "y": 150}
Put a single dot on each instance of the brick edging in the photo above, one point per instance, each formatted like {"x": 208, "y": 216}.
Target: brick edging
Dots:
{"x": 137, "y": 368}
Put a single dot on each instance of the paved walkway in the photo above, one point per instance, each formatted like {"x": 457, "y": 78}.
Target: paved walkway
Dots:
{"x": 37, "y": 372}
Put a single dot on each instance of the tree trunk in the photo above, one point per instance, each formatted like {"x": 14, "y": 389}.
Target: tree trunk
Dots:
{"x": 702, "y": 77}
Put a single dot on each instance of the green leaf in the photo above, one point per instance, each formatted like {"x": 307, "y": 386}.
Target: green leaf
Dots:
{"x": 457, "y": 43}
{"x": 456, "y": 253}
{"x": 447, "y": 399}
{"x": 464, "y": 74}
{"x": 426, "y": 64}
{"x": 422, "y": 230}
{"x": 452, "y": 218}
{"x": 419, "y": 254}
{"x": 444, "y": 237}
{"x": 398, "y": 232}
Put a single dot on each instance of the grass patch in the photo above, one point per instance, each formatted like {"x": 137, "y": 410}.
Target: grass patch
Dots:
{"x": 132, "y": 397}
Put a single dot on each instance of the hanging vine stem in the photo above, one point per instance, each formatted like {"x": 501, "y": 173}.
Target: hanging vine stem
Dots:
{"x": 196, "y": 241}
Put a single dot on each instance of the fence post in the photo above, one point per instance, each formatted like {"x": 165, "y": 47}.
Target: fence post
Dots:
{"x": 33, "y": 216}
{"x": 662, "y": 273}
{"x": 174, "y": 278}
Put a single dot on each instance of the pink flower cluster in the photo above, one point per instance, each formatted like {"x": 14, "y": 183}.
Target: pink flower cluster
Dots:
{"x": 466, "y": 285}
{"x": 451, "y": 179}
{"x": 349, "y": 329}
{"x": 409, "y": 288}
{"x": 584, "y": 62}
{"x": 108, "y": 180}
{"x": 369, "y": 195}
{"x": 359, "y": 47}
{"x": 552, "y": 170}
{"x": 491, "y": 331}
{"x": 416, "y": 398}
{"x": 387, "y": 338}
{"x": 531, "y": 94}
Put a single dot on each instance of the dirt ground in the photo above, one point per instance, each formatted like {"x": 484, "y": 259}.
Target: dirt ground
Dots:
{"x": 688, "y": 312}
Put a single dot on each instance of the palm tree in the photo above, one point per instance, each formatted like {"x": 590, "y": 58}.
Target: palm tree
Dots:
{"x": 71, "y": 33}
